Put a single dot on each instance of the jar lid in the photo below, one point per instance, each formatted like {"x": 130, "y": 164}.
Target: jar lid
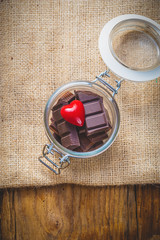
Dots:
{"x": 130, "y": 47}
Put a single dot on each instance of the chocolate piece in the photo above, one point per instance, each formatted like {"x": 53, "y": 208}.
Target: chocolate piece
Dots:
{"x": 70, "y": 141}
{"x": 96, "y": 145}
{"x": 98, "y": 136}
{"x": 96, "y": 120}
{"x": 52, "y": 119}
{"x": 56, "y": 114}
{"x": 79, "y": 149}
{"x": 96, "y": 123}
{"x": 92, "y": 107}
{"x": 108, "y": 119}
{"x": 85, "y": 142}
{"x": 92, "y": 148}
{"x": 53, "y": 126}
{"x": 66, "y": 98}
{"x": 86, "y": 96}
{"x": 82, "y": 129}
{"x": 66, "y": 127}
{"x": 57, "y": 137}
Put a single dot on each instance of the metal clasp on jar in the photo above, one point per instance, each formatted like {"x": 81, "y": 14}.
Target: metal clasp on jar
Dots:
{"x": 49, "y": 150}
{"x": 106, "y": 74}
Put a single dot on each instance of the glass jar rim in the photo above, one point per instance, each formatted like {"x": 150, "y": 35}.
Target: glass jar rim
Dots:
{"x": 64, "y": 150}
{"x": 113, "y": 63}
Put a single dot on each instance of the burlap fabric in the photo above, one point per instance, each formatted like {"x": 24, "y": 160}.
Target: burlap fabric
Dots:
{"x": 45, "y": 44}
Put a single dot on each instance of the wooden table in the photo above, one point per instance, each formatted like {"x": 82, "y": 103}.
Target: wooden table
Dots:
{"x": 81, "y": 213}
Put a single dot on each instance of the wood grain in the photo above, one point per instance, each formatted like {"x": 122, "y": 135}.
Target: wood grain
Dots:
{"x": 81, "y": 213}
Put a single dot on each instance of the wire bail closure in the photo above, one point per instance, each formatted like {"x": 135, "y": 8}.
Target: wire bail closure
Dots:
{"x": 64, "y": 159}
{"x": 106, "y": 74}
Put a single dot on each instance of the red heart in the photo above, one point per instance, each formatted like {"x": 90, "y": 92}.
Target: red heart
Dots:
{"x": 74, "y": 113}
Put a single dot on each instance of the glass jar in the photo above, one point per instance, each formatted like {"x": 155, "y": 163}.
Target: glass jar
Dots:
{"x": 138, "y": 36}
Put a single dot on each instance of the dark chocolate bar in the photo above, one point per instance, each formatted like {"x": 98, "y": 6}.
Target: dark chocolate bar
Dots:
{"x": 95, "y": 117}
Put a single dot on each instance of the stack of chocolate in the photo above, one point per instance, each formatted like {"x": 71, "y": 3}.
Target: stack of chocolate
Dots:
{"x": 97, "y": 123}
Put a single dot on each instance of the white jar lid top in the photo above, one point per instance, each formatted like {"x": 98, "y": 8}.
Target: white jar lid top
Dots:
{"x": 131, "y": 23}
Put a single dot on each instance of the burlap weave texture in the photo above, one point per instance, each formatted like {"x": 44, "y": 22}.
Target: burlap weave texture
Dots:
{"x": 45, "y": 44}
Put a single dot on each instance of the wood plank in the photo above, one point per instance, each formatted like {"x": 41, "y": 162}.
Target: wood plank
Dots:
{"x": 81, "y": 213}
{"x": 148, "y": 212}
